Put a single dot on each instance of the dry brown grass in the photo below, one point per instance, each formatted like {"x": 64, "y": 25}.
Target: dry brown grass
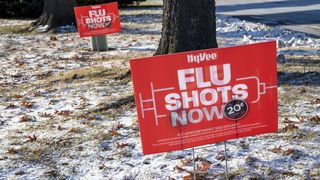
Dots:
{"x": 16, "y": 29}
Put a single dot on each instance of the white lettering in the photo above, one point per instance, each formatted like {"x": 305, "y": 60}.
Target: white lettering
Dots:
{"x": 201, "y": 57}
{"x": 240, "y": 91}
{"x": 200, "y": 82}
{"x": 226, "y": 75}
{"x": 175, "y": 117}
{"x": 195, "y": 116}
{"x": 200, "y": 79}
{"x": 213, "y": 95}
{"x": 183, "y": 79}
{"x": 194, "y": 99}
{"x": 195, "y": 112}
{"x": 173, "y": 102}
{"x": 224, "y": 93}
{"x": 214, "y": 111}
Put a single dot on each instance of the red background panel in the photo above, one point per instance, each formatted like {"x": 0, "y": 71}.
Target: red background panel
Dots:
{"x": 155, "y": 77}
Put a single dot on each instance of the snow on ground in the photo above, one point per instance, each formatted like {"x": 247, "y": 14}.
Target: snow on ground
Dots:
{"x": 67, "y": 112}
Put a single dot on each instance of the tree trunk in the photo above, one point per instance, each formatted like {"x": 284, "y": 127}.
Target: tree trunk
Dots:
{"x": 187, "y": 25}
{"x": 57, "y": 13}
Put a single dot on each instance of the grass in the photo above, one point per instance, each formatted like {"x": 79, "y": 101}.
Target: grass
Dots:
{"x": 298, "y": 79}
{"x": 66, "y": 80}
{"x": 113, "y": 108}
{"x": 151, "y": 3}
{"x": 88, "y": 73}
{"x": 299, "y": 63}
{"x": 16, "y": 29}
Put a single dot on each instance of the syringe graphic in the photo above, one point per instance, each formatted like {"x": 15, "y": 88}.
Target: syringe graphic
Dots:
{"x": 113, "y": 17}
{"x": 153, "y": 106}
{"x": 261, "y": 87}
{"x": 81, "y": 21}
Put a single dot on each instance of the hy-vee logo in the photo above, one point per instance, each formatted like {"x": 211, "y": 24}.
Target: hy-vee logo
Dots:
{"x": 201, "y": 57}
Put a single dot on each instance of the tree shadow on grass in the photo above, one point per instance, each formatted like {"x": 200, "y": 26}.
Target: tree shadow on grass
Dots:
{"x": 144, "y": 18}
{"x": 299, "y": 78}
{"x": 138, "y": 31}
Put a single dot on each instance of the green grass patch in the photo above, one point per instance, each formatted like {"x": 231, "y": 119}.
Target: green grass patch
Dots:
{"x": 17, "y": 29}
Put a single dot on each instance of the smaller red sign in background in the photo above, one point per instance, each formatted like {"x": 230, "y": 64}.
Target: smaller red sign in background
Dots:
{"x": 97, "y": 20}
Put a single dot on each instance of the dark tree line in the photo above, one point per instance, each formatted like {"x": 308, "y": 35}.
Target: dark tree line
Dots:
{"x": 20, "y": 8}
{"x": 34, "y": 8}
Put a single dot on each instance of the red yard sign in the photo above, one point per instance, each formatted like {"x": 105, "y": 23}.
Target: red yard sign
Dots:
{"x": 201, "y": 97}
{"x": 97, "y": 20}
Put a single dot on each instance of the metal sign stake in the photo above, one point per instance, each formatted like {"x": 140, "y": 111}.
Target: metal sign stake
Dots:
{"x": 99, "y": 43}
{"x": 226, "y": 159}
{"x": 194, "y": 166}
{"x": 96, "y": 43}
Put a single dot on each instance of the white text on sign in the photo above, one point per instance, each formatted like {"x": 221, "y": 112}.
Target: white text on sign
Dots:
{"x": 184, "y": 106}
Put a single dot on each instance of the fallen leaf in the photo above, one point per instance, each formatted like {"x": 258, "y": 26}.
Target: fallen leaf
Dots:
{"x": 301, "y": 119}
{"x": 205, "y": 166}
{"x": 73, "y": 130}
{"x": 186, "y": 162}
{"x": 64, "y": 113}
{"x": 316, "y": 101}
{"x": 286, "y": 120}
{"x": 19, "y": 173}
{"x": 17, "y": 96}
{"x": 191, "y": 176}
{"x": 53, "y": 38}
{"x": 121, "y": 145}
{"x": 290, "y": 127}
{"x": 315, "y": 119}
{"x": 179, "y": 169}
{"x": 66, "y": 49}
{"x": 277, "y": 150}
{"x": 12, "y": 151}
{"x": 303, "y": 91}
{"x": 188, "y": 177}
{"x": 24, "y": 118}
{"x": 113, "y": 132}
{"x": 119, "y": 126}
{"x": 27, "y": 104}
{"x": 60, "y": 128}
{"x": 11, "y": 106}
{"x": 46, "y": 115}
{"x": 32, "y": 138}
{"x": 220, "y": 156}
{"x": 244, "y": 145}
{"x": 289, "y": 152}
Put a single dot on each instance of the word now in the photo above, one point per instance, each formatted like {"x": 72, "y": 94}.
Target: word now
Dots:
{"x": 197, "y": 115}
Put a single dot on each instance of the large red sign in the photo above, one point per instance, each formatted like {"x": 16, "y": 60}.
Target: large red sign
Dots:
{"x": 98, "y": 20}
{"x": 201, "y": 97}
